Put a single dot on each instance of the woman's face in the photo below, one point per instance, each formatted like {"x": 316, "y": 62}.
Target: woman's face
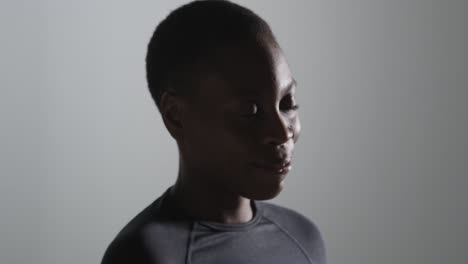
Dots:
{"x": 243, "y": 120}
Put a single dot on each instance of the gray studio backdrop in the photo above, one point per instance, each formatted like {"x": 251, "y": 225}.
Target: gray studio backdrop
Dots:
{"x": 381, "y": 166}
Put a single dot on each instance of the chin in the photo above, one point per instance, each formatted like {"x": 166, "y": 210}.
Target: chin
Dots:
{"x": 265, "y": 192}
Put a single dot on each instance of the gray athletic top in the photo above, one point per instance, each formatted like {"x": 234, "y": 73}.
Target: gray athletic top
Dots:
{"x": 163, "y": 234}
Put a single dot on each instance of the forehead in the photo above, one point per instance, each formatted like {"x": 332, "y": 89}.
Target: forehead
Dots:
{"x": 249, "y": 71}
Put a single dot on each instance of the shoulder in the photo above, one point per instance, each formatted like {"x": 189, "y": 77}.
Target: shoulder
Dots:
{"x": 150, "y": 237}
{"x": 128, "y": 246}
{"x": 298, "y": 227}
{"x": 125, "y": 250}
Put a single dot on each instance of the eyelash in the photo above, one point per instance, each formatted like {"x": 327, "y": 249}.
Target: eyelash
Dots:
{"x": 293, "y": 108}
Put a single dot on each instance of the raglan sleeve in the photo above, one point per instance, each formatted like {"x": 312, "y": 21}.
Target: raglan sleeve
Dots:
{"x": 314, "y": 241}
{"x": 302, "y": 229}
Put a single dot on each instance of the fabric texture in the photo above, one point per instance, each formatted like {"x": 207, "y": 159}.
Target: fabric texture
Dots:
{"x": 163, "y": 234}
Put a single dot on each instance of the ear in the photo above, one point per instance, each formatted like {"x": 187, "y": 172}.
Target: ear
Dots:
{"x": 171, "y": 112}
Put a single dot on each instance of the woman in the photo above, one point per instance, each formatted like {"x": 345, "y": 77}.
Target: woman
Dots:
{"x": 226, "y": 95}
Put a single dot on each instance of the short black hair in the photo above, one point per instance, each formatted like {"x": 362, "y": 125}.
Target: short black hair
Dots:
{"x": 192, "y": 34}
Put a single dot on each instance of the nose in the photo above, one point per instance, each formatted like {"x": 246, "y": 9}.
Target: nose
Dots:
{"x": 278, "y": 130}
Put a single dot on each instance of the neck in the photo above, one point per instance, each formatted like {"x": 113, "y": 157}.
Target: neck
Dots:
{"x": 205, "y": 200}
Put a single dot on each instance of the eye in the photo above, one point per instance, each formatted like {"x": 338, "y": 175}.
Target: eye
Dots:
{"x": 249, "y": 110}
{"x": 288, "y": 103}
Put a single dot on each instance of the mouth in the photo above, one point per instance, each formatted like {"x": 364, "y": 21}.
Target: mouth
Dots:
{"x": 280, "y": 168}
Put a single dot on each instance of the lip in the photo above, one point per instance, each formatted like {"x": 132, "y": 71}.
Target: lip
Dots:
{"x": 278, "y": 168}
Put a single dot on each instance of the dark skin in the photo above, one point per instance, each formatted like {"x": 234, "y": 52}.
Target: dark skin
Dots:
{"x": 242, "y": 119}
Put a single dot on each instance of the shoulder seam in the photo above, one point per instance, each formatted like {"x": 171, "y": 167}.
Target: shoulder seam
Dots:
{"x": 292, "y": 238}
{"x": 188, "y": 259}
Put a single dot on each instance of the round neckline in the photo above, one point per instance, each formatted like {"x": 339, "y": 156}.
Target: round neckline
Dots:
{"x": 258, "y": 213}
{"x": 169, "y": 201}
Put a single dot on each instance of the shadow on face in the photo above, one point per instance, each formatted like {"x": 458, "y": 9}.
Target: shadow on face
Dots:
{"x": 242, "y": 121}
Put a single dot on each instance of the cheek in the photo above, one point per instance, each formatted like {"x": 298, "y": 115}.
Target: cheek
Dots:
{"x": 227, "y": 142}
